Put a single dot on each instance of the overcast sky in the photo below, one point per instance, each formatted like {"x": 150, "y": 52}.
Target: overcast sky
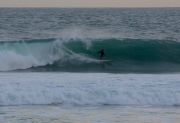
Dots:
{"x": 89, "y": 3}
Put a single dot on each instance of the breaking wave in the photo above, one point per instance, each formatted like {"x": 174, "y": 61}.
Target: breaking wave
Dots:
{"x": 125, "y": 55}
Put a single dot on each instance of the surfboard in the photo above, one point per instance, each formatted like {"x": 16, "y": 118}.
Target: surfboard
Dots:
{"x": 105, "y": 61}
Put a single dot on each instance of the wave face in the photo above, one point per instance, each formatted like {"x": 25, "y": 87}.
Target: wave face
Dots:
{"x": 89, "y": 89}
{"x": 126, "y": 55}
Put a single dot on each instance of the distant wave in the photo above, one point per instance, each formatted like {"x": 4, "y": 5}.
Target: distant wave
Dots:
{"x": 126, "y": 55}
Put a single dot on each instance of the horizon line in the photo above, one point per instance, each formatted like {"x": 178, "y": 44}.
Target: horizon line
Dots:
{"x": 90, "y": 7}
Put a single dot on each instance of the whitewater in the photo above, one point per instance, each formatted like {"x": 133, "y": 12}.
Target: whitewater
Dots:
{"x": 89, "y": 97}
{"x": 89, "y": 89}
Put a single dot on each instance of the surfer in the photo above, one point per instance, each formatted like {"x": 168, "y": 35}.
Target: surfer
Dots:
{"x": 101, "y": 52}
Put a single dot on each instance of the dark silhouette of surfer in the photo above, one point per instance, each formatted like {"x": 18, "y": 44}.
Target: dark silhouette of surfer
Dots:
{"x": 101, "y": 52}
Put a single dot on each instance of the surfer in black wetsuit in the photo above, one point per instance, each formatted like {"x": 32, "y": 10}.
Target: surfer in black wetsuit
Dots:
{"x": 101, "y": 52}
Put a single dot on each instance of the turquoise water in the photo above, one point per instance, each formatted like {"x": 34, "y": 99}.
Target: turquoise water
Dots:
{"x": 127, "y": 55}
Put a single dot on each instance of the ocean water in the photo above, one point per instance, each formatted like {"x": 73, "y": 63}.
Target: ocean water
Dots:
{"x": 50, "y": 70}
{"x": 32, "y": 97}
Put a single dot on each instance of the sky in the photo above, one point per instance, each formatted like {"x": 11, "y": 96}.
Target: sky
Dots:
{"x": 90, "y": 3}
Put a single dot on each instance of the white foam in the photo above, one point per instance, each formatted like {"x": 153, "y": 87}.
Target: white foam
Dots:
{"x": 89, "y": 89}
{"x": 26, "y": 55}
